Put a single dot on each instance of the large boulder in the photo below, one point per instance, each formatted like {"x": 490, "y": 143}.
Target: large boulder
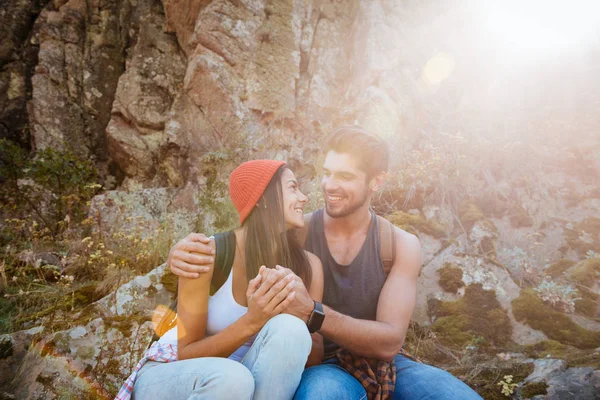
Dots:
{"x": 95, "y": 355}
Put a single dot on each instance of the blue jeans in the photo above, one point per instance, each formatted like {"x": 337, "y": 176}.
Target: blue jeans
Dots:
{"x": 413, "y": 381}
{"x": 271, "y": 369}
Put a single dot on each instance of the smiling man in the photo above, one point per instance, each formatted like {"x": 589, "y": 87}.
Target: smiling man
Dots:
{"x": 366, "y": 308}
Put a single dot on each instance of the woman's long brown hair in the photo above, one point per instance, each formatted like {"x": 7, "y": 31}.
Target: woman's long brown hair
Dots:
{"x": 268, "y": 242}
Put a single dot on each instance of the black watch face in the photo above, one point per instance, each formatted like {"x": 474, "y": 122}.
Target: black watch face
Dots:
{"x": 316, "y": 320}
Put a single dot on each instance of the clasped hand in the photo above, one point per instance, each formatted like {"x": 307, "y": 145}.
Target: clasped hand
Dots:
{"x": 268, "y": 294}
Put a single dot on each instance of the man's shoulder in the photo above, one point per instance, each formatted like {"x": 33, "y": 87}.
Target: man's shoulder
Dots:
{"x": 403, "y": 240}
{"x": 400, "y": 235}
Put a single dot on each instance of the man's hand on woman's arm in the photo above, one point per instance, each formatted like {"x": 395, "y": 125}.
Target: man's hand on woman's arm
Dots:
{"x": 191, "y": 256}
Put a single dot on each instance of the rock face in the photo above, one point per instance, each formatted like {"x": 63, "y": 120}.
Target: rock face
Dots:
{"x": 79, "y": 62}
{"x": 95, "y": 354}
{"x": 18, "y": 57}
{"x": 145, "y": 93}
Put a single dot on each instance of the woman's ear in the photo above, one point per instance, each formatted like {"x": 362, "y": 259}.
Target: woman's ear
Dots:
{"x": 261, "y": 200}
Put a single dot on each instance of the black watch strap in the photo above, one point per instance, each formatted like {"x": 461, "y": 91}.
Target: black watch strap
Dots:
{"x": 315, "y": 321}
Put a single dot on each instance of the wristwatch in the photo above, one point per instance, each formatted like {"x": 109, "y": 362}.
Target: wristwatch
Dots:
{"x": 317, "y": 316}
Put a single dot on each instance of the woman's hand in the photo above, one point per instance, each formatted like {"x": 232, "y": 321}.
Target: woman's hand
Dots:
{"x": 191, "y": 256}
{"x": 303, "y": 304}
{"x": 268, "y": 294}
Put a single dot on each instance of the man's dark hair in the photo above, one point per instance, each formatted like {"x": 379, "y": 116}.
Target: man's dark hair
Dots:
{"x": 371, "y": 151}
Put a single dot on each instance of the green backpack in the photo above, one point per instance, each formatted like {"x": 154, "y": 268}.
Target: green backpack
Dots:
{"x": 225, "y": 252}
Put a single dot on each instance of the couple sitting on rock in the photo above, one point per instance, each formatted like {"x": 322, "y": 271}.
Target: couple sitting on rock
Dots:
{"x": 324, "y": 322}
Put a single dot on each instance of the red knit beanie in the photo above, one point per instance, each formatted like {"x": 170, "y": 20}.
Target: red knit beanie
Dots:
{"x": 248, "y": 182}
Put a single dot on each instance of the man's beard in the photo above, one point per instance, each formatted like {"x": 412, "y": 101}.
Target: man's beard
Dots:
{"x": 345, "y": 211}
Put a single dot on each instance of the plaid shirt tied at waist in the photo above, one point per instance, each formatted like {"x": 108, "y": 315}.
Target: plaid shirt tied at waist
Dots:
{"x": 376, "y": 376}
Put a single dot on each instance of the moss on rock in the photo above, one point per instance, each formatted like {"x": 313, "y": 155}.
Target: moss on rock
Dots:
{"x": 519, "y": 218}
{"x": 534, "y": 389}
{"x": 549, "y": 349}
{"x": 530, "y": 309}
{"x": 493, "y": 205}
{"x": 559, "y": 267}
{"x": 84, "y": 295}
{"x": 124, "y": 323}
{"x": 477, "y": 313}
{"x": 586, "y": 306}
{"x": 583, "y": 237}
{"x": 451, "y": 277}
{"x": 573, "y": 356}
{"x": 416, "y": 223}
{"x": 586, "y": 272}
{"x": 585, "y": 360}
{"x": 470, "y": 214}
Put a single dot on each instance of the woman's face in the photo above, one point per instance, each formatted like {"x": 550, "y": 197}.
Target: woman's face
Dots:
{"x": 293, "y": 200}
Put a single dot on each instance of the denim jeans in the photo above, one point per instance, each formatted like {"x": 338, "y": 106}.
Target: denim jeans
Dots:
{"x": 413, "y": 381}
{"x": 271, "y": 369}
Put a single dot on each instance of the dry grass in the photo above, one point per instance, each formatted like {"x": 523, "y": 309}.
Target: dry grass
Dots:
{"x": 91, "y": 265}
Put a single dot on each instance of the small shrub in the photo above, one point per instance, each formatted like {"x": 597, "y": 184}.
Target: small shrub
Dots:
{"x": 507, "y": 385}
{"x": 53, "y": 187}
{"x": 560, "y": 297}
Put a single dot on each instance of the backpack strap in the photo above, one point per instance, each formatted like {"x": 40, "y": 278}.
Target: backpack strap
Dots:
{"x": 302, "y": 233}
{"x": 387, "y": 249}
{"x": 225, "y": 253}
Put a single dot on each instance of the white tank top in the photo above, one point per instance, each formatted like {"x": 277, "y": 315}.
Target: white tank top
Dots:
{"x": 223, "y": 311}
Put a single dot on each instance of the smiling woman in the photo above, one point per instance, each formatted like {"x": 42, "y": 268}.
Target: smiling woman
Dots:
{"x": 233, "y": 339}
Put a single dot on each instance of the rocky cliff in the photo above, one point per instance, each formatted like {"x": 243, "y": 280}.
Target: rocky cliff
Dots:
{"x": 495, "y": 167}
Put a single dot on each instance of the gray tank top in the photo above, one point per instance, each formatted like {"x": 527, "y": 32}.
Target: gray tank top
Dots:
{"x": 350, "y": 289}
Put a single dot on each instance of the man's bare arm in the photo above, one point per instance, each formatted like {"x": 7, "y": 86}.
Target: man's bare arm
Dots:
{"x": 191, "y": 256}
{"x": 383, "y": 338}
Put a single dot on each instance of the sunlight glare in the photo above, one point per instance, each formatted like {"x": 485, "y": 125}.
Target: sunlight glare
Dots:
{"x": 536, "y": 26}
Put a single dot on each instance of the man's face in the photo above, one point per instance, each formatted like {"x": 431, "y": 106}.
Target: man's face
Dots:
{"x": 344, "y": 185}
